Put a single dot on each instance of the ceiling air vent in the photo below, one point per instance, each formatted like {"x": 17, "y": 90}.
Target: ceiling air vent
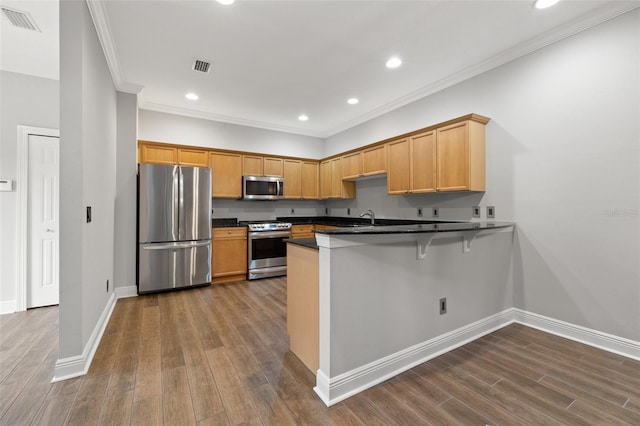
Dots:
{"x": 201, "y": 66}
{"x": 20, "y": 19}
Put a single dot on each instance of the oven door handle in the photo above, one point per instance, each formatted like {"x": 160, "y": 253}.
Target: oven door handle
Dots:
{"x": 274, "y": 234}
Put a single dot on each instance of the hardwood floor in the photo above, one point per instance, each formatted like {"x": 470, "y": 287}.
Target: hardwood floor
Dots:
{"x": 220, "y": 355}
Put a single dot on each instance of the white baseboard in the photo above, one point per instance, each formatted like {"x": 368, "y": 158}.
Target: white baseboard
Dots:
{"x": 332, "y": 390}
{"x": 8, "y": 307}
{"x": 598, "y": 339}
{"x": 68, "y": 368}
{"x": 129, "y": 291}
{"x": 335, "y": 389}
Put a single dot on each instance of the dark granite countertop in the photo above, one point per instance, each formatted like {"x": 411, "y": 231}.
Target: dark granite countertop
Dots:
{"x": 417, "y": 228}
{"x": 303, "y": 242}
{"x": 224, "y": 222}
{"x": 351, "y": 221}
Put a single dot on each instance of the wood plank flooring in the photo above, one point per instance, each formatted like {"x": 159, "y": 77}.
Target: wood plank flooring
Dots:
{"x": 220, "y": 356}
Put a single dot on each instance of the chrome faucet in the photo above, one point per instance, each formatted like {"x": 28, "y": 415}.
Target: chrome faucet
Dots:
{"x": 371, "y": 215}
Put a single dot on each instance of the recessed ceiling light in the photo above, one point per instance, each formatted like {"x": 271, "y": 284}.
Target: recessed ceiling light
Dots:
{"x": 191, "y": 96}
{"x": 394, "y": 62}
{"x": 303, "y": 117}
{"x": 353, "y": 101}
{"x": 543, "y": 4}
{"x": 225, "y": 2}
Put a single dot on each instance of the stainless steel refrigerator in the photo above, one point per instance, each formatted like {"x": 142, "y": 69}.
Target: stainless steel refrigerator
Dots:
{"x": 174, "y": 227}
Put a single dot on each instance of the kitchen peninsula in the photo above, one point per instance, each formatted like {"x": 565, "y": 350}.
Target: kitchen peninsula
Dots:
{"x": 380, "y": 293}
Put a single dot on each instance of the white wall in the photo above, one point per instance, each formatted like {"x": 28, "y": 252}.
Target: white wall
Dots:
{"x": 563, "y": 161}
{"x": 88, "y": 125}
{"x": 125, "y": 213}
{"x": 169, "y": 128}
{"x": 26, "y": 101}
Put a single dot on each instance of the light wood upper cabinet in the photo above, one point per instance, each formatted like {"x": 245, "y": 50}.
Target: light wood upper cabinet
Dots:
{"x": 252, "y": 165}
{"x": 411, "y": 164}
{"x": 325, "y": 179}
{"x": 423, "y": 162}
{"x": 226, "y": 174}
{"x": 352, "y": 165}
{"x": 310, "y": 180}
{"x": 300, "y": 179}
{"x": 158, "y": 154}
{"x": 332, "y": 185}
{"x": 229, "y": 254}
{"x": 449, "y": 158}
{"x": 368, "y": 162}
{"x": 374, "y": 161}
{"x": 292, "y": 178}
{"x": 273, "y": 166}
{"x": 257, "y": 165}
{"x": 461, "y": 157}
{"x": 193, "y": 157}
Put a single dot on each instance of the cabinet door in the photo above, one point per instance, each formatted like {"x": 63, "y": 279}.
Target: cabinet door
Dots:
{"x": 252, "y": 165}
{"x": 336, "y": 178}
{"x": 193, "y": 157}
{"x": 398, "y": 166}
{"x": 226, "y": 174}
{"x": 273, "y": 166}
{"x": 325, "y": 179}
{"x": 229, "y": 254}
{"x": 292, "y": 178}
{"x": 159, "y": 155}
{"x": 374, "y": 161}
{"x": 423, "y": 162}
{"x": 352, "y": 165}
{"x": 453, "y": 157}
{"x": 309, "y": 184}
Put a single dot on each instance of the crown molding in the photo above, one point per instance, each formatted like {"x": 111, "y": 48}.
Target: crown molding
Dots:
{"x": 555, "y": 35}
{"x": 101, "y": 23}
{"x": 169, "y": 109}
{"x": 597, "y": 16}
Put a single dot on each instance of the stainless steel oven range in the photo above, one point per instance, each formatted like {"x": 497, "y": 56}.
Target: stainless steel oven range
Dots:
{"x": 267, "y": 251}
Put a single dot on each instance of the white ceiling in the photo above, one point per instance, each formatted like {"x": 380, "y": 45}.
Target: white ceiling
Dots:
{"x": 274, "y": 60}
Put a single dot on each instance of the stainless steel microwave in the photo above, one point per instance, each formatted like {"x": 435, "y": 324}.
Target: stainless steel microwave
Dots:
{"x": 262, "y": 188}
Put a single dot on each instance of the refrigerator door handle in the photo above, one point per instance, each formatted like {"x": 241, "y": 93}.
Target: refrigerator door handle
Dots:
{"x": 175, "y": 245}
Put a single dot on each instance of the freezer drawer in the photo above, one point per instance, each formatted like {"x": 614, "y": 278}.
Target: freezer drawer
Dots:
{"x": 166, "y": 266}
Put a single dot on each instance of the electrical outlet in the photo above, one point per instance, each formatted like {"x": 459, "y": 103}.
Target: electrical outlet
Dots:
{"x": 348, "y": 211}
{"x": 107, "y": 286}
{"x": 419, "y": 211}
{"x": 88, "y": 214}
{"x": 491, "y": 212}
{"x": 475, "y": 211}
{"x": 293, "y": 211}
{"x": 326, "y": 210}
{"x": 435, "y": 212}
{"x": 443, "y": 306}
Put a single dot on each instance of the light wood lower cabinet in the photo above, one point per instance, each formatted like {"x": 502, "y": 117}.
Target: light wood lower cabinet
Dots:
{"x": 302, "y": 231}
{"x": 229, "y": 254}
{"x": 303, "y": 304}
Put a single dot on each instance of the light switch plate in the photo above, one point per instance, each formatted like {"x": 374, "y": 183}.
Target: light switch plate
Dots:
{"x": 6, "y": 185}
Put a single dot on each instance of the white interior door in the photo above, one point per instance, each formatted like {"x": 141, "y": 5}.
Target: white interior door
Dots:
{"x": 43, "y": 221}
